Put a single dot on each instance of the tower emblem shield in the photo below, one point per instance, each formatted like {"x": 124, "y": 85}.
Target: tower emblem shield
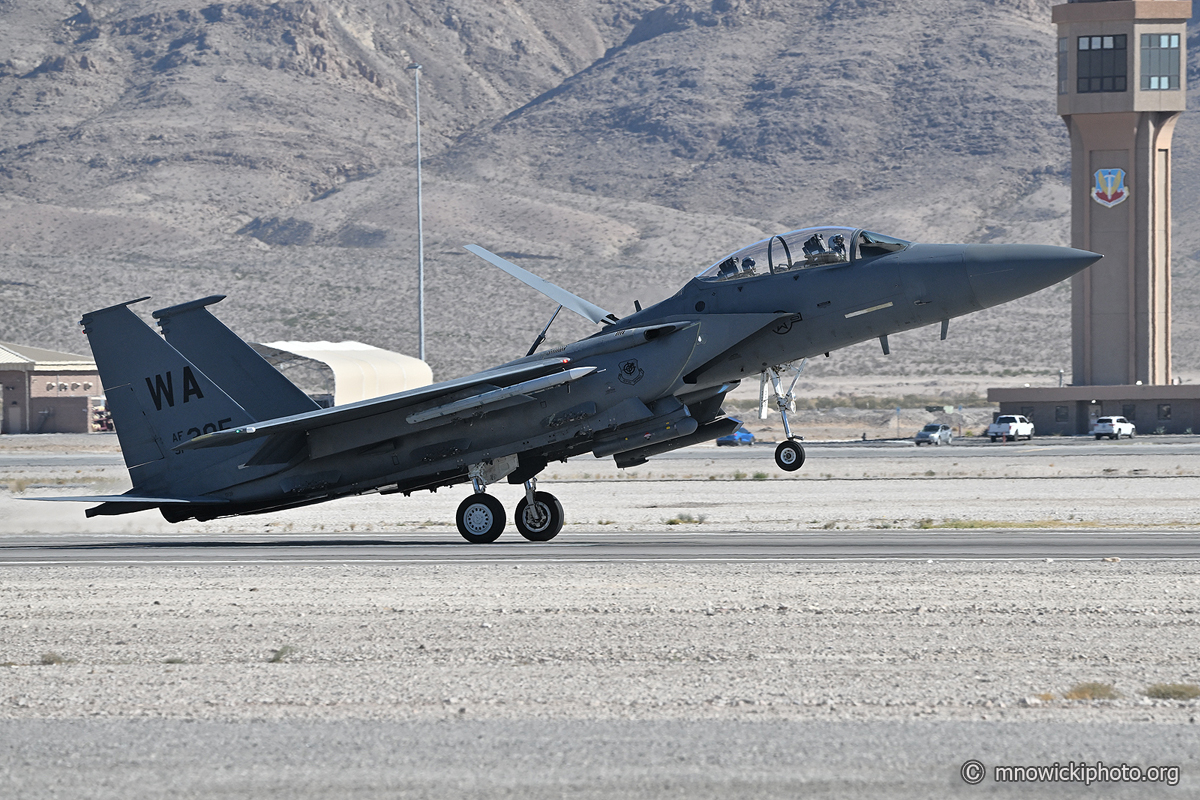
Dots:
{"x": 1110, "y": 187}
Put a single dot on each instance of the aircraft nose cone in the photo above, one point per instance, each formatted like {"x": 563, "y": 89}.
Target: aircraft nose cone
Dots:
{"x": 1003, "y": 272}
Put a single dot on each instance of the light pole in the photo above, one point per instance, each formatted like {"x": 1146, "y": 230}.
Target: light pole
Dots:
{"x": 416, "y": 68}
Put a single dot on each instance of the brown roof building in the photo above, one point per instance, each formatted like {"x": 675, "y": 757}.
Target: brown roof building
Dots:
{"x": 43, "y": 391}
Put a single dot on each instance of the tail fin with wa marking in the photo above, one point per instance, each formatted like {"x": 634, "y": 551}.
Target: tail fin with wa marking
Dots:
{"x": 158, "y": 401}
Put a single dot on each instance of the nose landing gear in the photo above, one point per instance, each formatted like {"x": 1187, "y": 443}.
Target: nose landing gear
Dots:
{"x": 789, "y": 455}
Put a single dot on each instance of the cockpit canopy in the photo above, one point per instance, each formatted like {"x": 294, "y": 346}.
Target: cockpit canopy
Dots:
{"x": 802, "y": 249}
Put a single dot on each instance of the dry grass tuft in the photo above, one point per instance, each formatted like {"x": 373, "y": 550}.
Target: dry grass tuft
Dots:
{"x": 1092, "y": 691}
{"x": 278, "y": 656}
{"x": 1173, "y": 691}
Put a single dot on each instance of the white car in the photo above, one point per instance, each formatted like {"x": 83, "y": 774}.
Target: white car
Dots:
{"x": 1113, "y": 428}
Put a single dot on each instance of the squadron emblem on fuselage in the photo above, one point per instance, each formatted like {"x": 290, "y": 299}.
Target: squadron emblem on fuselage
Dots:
{"x": 630, "y": 372}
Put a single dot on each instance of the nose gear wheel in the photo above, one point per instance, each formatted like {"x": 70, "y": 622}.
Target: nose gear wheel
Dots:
{"x": 789, "y": 455}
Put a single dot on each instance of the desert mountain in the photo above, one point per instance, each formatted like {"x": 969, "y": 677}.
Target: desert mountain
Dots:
{"x": 267, "y": 151}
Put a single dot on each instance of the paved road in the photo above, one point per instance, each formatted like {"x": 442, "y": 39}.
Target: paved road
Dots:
{"x": 535, "y": 759}
{"x": 590, "y": 547}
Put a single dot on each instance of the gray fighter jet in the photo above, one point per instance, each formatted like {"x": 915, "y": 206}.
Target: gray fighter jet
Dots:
{"x": 208, "y": 429}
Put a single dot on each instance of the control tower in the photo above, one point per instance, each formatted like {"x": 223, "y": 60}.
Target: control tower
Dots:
{"x": 1121, "y": 88}
{"x": 1122, "y": 73}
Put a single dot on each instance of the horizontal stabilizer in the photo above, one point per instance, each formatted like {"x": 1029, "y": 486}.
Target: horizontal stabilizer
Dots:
{"x": 589, "y": 311}
{"x": 121, "y": 498}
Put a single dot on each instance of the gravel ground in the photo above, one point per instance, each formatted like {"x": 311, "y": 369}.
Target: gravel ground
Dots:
{"x": 841, "y": 641}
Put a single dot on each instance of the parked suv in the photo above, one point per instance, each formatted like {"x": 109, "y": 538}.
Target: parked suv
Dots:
{"x": 1113, "y": 428}
{"x": 1010, "y": 427}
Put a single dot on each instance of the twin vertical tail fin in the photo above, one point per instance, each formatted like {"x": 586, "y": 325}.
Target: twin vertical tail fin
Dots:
{"x": 159, "y": 400}
{"x": 231, "y": 363}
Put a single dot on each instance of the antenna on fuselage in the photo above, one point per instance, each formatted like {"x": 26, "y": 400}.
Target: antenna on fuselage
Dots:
{"x": 541, "y": 337}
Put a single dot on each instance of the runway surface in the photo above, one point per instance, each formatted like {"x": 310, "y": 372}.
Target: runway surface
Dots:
{"x": 132, "y": 759}
{"x": 234, "y": 548}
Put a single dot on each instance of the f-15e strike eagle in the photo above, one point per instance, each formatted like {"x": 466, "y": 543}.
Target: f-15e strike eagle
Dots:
{"x": 209, "y": 429}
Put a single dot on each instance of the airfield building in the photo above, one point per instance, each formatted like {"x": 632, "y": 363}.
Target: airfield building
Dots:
{"x": 1121, "y": 86}
{"x": 43, "y": 391}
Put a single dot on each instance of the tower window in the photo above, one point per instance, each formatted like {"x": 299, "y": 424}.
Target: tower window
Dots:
{"x": 1102, "y": 66}
{"x": 1063, "y": 81}
{"x": 1160, "y": 61}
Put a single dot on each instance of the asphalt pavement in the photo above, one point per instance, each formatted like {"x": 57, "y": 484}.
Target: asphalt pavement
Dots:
{"x": 532, "y": 759}
{"x": 600, "y": 546}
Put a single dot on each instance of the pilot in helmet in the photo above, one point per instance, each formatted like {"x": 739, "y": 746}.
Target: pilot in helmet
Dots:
{"x": 837, "y": 244}
{"x": 748, "y": 264}
{"x": 814, "y": 245}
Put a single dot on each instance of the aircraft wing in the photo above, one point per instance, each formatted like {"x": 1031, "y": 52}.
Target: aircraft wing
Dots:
{"x": 589, "y": 311}
{"x": 494, "y": 386}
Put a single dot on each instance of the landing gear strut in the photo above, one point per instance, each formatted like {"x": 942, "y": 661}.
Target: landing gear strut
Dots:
{"x": 789, "y": 455}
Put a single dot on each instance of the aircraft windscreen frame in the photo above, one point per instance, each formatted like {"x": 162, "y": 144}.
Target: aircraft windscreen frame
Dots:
{"x": 804, "y": 248}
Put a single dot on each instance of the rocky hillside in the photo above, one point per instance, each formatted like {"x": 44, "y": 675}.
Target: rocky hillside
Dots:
{"x": 266, "y": 151}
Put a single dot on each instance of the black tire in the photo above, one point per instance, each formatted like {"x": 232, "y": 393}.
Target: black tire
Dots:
{"x": 993, "y": 439}
{"x": 480, "y": 519}
{"x": 1099, "y": 437}
{"x": 543, "y": 526}
{"x": 789, "y": 455}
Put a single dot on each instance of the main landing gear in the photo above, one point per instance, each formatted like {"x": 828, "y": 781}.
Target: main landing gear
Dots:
{"x": 789, "y": 455}
{"x": 481, "y": 518}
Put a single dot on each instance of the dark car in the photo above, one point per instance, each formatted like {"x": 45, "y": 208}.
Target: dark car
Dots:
{"x": 738, "y": 437}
